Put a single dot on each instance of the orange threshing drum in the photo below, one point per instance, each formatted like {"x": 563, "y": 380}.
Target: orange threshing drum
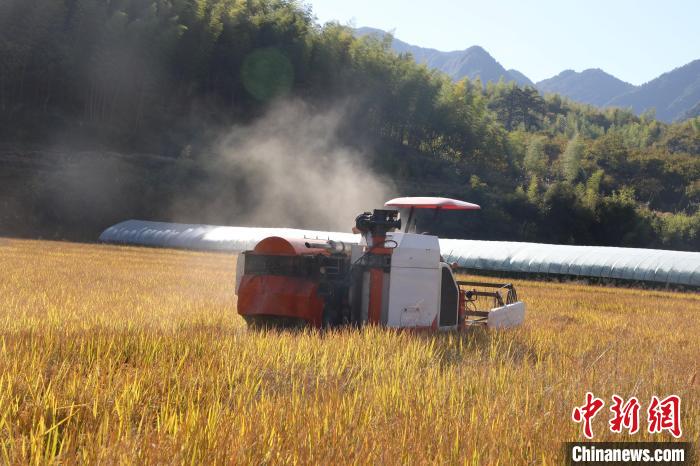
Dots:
{"x": 282, "y": 296}
{"x": 292, "y": 297}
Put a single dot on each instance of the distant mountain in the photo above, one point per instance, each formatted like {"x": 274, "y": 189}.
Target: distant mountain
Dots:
{"x": 472, "y": 63}
{"x": 674, "y": 94}
{"x": 693, "y": 112}
{"x": 592, "y": 86}
{"x": 520, "y": 78}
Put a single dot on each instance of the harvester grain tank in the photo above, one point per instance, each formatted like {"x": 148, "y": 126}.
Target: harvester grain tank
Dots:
{"x": 391, "y": 278}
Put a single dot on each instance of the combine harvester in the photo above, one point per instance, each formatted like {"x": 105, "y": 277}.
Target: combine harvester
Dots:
{"x": 390, "y": 278}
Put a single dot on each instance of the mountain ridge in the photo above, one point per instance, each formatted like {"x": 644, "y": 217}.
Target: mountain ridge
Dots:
{"x": 473, "y": 62}
{"x": 592, "y": 86}
{"x": 673, "y": 96}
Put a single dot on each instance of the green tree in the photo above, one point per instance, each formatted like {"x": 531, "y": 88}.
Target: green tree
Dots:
{"x": 535, "y": 162}
{"x": 566, "y": 219}
{"x": 533, "y": 190}
{"x": 571, "y": 159}
{"x": 592, "y": 195}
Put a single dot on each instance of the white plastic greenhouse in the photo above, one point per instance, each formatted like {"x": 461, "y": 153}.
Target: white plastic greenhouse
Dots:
{"x": 205, "y": 237}
{"x": 642, "y": 265}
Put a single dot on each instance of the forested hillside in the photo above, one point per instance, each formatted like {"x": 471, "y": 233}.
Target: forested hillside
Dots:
{"x": 125, "y": 97}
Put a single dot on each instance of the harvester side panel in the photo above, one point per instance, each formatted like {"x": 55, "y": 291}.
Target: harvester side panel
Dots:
{"x": 414, "y": 294}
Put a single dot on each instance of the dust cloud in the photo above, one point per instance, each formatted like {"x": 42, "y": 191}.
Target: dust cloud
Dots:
{"x": 298, "y": 173}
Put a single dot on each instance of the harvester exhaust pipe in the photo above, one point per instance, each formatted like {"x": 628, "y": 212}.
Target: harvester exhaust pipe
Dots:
{"x": 335, "y": 247}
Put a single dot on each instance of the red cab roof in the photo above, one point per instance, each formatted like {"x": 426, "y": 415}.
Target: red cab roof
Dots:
{"x": 431, "y": 203}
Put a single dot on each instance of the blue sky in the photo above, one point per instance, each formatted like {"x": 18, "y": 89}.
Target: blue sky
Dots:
{"x": 633, "y": 40}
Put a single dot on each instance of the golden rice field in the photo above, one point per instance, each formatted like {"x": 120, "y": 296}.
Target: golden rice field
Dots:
{"x": 121, "y": 355}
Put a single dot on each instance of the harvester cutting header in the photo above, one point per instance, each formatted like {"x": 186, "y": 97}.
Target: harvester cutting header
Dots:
{"x": 391, "y": 278}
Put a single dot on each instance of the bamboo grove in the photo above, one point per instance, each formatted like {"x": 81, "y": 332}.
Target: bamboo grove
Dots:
{"x": 161, "y": 76}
